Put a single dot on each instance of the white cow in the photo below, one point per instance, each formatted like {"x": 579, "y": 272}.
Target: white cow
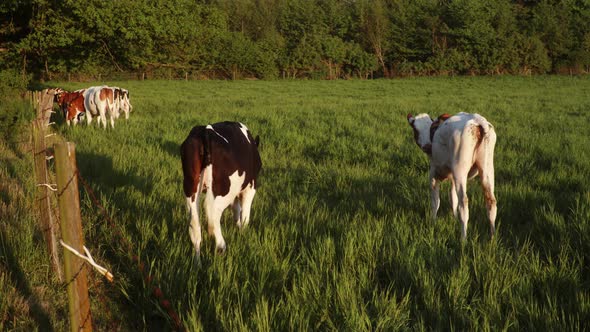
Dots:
{"x": 459, "y": 147}
{"x": 99, "y": 101}
{"x": 125, "y": 103}
{"x": 122, "y": 102}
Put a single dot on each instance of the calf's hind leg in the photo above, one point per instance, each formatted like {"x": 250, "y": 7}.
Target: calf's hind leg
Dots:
{"x": 487, "y": 184}
{"x": 194, "y": 228}
{"x": 214, "y": 207}
{"x": 460, "y": 179}
{"x": 237, "y": 210}
{"x": 486, "y": 170}
{"x": 454, "y": 199}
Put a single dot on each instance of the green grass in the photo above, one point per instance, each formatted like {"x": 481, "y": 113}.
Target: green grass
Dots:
{"x": 341, "y": 237}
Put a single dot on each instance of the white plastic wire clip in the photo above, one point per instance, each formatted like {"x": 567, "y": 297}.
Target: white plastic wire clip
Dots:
{"x": 90, "y": 260}
{"x": 50, "y": 186}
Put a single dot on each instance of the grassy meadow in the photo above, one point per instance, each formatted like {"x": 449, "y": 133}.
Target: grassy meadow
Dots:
{"x": 340, "y": 236}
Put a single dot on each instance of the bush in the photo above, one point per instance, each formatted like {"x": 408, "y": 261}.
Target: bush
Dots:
{"x": 14, "y": 110}
{"x": 11, "y": 81}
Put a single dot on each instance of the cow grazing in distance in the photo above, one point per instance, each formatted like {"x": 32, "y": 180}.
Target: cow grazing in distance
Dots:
{"x": 71, "y": 105}
{"x": 221, "y": 160}
{"x": 124, "y": 102}
{"x": 459, "y": 147}
{"x": 121, "y": 103}
{"x": 100, "y": 101}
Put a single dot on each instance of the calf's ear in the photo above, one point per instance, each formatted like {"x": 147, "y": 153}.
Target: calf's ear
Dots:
{"x": 410, "y": 119}
{"x": 257, "y": 140}
{"x": 443, "y": 117}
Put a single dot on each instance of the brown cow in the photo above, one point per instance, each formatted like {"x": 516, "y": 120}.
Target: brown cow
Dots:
{"x": 71, "y": 105}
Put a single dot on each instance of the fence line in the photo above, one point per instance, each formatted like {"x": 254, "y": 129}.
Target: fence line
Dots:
{"x": 43, "y": 198}
{"x": 69, "y": 218}
{"x": 149, "y": 280}
{"x": 72, "y": 235}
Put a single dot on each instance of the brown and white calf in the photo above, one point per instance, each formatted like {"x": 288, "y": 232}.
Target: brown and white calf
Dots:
{"x": 71, "y": 105}
{"x": 459, "y": 147}
{"x": 122, "y": 95}
{"x": 222, "y": 160}
{"x": 121, "y": 102}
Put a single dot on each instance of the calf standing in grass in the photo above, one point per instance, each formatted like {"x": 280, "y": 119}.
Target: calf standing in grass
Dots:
{"x": 71, "y": 104}
{"x": 459, "y": 147}
{"x": 222, "y": 160}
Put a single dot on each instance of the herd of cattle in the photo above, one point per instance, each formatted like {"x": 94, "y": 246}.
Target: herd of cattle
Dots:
{"x": 95, "y": 101}
{"x": 222, "y": 160}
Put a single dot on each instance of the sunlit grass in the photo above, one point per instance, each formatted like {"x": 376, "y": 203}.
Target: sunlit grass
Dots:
{"x": 341, "y": 237}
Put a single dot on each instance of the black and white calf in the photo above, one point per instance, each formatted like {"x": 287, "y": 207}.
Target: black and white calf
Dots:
{"x": 222, "y": 160}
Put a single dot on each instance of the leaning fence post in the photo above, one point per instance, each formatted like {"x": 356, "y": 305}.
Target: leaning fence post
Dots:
{"x": 71, "y": 233}
{"x": 45, "y": 105}
{"x": 43, "y": 199}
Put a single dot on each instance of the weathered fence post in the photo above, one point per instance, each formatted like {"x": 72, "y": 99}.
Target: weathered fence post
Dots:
{"x": 71, "y": 233}
{"x": 43, "y": 199}
{"x": 43, "y": 195}
{"x": 44, "y": 101}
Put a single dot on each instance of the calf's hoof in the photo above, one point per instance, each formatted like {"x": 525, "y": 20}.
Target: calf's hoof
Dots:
{"x": 220, "y": 250}
{"x": 197, "y": 260}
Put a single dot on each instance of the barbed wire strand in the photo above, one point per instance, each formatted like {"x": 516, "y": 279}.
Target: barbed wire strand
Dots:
{"x": 148, "y": 279}
{"x": 53, "y": 207}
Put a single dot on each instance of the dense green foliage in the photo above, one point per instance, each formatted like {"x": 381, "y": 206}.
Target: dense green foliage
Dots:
{"x": 13, "y": 111}
{"x": 294, "y": 38}
{"x": 340, "y": 237}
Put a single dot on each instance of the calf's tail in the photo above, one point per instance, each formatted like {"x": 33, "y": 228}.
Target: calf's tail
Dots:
{"x": 483, "y": 124}
{"x": 194, "y": 156}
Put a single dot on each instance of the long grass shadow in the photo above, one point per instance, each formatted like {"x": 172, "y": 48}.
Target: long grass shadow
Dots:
{"x": 108, "y": 186}
{"x": 540, "y": 217}
{"x": 172, "y": 148}
{"x": 98, "y": 172}
{"x": 38, "y": 314}
{"x": 98, "y": 169}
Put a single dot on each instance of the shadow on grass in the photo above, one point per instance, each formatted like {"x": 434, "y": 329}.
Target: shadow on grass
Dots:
{"x": 172, "y": 148}
{"x": 104, "y": 181}
{"x": 98, "y": 169}
{"x": 20, "y": 280}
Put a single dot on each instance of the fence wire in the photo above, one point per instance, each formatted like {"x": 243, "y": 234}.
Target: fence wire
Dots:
{"x": 148, "y": 279}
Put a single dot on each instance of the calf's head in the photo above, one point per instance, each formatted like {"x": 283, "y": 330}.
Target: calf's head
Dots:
{"x": 421, "y": 125}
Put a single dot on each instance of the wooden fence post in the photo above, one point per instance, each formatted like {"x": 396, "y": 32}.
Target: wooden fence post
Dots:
{"x": 43, "y": 198}
{"x": 71, "y": 233}
{"x": 45, "y": 104}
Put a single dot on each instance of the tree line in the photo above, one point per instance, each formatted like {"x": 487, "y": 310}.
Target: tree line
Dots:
{"x": 325, "y": 39}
